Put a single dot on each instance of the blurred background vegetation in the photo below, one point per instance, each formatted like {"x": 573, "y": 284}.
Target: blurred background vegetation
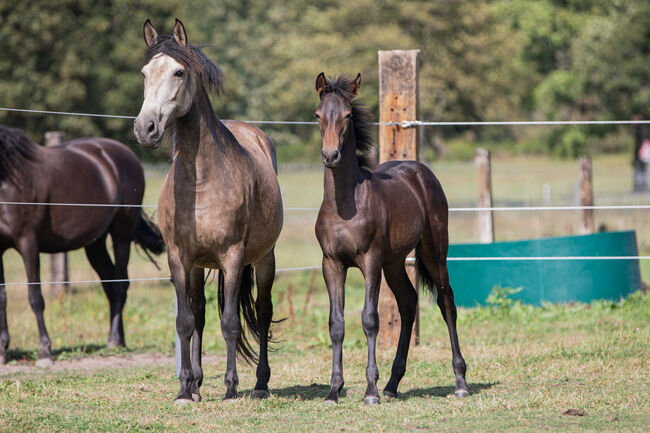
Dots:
{"x": 494, "y": 60}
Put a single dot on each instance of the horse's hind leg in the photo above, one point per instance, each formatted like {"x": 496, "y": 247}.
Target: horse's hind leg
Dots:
{"x": 122, "y": 252}
{"x": 101, "y": 262}
{"x": 197, "y": 299}
{"x": 264, "y": 274}
{"x": 29, "y": 252}
{"x": 435, "y": 261}
{"x": 334, "y": 274}
{"x": 4, "y": 330}
{"x": 407, "y": 299}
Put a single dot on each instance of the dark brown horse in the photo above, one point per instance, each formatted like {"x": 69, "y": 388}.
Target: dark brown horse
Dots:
{"x": 86, "y": 170}
{"x": 371, "y": 220}
{"x": 220, "y": 207}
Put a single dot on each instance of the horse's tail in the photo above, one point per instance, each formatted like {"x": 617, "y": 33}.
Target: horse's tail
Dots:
{"x": 424, "y": 278}
{"x": 247, "y": 310}
{"x": 147, "y": 235}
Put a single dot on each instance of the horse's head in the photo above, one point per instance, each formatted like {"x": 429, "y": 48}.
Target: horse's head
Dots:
{"x": 334, "y": 114}
{"x": 169, "y": 83}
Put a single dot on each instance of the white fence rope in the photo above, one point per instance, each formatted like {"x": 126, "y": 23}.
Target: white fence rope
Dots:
{"x": 308, "y": 268}
{"x": 403, "y": 123}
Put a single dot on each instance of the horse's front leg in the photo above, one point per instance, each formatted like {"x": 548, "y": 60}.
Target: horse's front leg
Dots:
{"x": 371, "y": 268}
{"x": 334, "y": 274}
{"x": 197, "y": 297}
{"x": 4, "y": 330}
{"x": 230, "y": 284}
{"x": 28, "y": 249}
{"x": 184, "y": 322}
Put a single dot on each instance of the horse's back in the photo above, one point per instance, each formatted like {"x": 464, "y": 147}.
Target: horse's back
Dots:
{"x": 119, "y": 159}
{"x": 253, "y": 139}
{"x": 88, "y": 170}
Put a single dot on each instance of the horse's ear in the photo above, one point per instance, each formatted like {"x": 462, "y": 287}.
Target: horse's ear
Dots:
{"x": 179, "y": 33}
{"x": 321, "y": 82}
{"x": 355, "y": 85}
{"x": 150, "y": 34}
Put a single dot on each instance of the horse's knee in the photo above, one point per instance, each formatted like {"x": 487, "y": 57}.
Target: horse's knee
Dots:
{"x": 337, "y": 329}
{"x": 230, "y": 326}
{"x": 184, "y": 325}
{"x": 370, "y": 322}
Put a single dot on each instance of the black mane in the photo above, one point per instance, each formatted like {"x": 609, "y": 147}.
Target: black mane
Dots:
{"x": 362, "y": 120}
{"x": 16, "y": 150}
{"x": 191, "y": 57}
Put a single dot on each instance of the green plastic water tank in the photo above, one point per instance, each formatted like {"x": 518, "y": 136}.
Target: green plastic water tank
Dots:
{"x": 553, "y": 281}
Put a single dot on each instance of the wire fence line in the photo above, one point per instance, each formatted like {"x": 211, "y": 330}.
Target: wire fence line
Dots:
{"x": 402, "y": 124}
{"x": 308, "y": 268}
{"x": 311, "y": 209}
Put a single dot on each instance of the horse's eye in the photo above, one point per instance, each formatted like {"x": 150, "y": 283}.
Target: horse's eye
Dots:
{"x": 316, "y": 116}
{"x": 348, "y": 116}
{"x": 179, "y": 73}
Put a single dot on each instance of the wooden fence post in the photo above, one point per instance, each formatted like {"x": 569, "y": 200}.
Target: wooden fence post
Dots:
{"x": 586, "y": 195}
{"x": 485, "y": 221}
{"x": 59, "y": 261}
{"x": 398, "y": 101}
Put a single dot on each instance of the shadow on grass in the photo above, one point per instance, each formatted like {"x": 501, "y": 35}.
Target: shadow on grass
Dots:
{"x": 305, "y": 392}
{"x": 443, "y": 391}
{"x": 67, "y": 352}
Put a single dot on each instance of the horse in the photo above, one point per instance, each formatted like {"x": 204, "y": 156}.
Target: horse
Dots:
{"x": 85, "y": 170}
{"x": 371, "y": 220}
{"x": 220, "y": 208}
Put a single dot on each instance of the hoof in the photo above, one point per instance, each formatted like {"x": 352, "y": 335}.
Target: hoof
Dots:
{"x": 182, "y": 401}
{"x": 259, "y": 394}
{"x": 371, "y": 399}
{"x": 3, "y": 359}
{"x": 390, "y": 394}
{"x": 114, "y": 344}
{"x": 330, "y": 401}
{"x": 196, "y": 397}
{"x": 44, "y": 362}
{"x": 231, "y": 397}
{"x": 461, "y": 393}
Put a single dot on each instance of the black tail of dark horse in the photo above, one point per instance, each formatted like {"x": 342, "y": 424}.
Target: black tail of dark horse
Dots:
{"x": 424, "y": 278}
{"x": 247, "y": 310}
{"x": 147, "y": 235}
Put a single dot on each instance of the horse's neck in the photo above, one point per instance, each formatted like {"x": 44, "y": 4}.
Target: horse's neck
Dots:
{"x": 341, "y": 182}
{"x": 202, "y": 143}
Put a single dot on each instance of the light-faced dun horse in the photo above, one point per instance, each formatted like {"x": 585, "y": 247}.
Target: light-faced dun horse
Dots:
{"x": 220, "y": 207}
{"x": 96, "y": 171}
{"x": 371, "y": 220}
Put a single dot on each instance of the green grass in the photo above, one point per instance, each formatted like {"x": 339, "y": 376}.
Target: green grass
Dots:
{"x": 526, "y": 366}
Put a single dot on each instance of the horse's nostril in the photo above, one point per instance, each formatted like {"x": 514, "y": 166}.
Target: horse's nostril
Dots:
{"x": 335, "y": 155}
{"x": 151, "y": 127}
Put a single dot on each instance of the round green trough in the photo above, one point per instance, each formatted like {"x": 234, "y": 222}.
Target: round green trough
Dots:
{"x": 547, "y": 280}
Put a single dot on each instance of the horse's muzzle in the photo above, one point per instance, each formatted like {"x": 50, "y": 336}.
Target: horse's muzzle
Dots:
{"x": 147, "y": 133}
{"x": 330, "y": 159}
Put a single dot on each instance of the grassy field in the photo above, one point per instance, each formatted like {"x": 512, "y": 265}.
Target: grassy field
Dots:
{"x": 526, "y": 366}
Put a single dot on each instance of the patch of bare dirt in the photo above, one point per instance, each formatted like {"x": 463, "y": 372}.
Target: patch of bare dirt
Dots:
{"x": 98, "y": 363}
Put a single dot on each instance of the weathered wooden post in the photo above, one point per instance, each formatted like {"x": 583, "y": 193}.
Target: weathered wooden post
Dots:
{"x": 58, "y": 261}
{"x": 485, "y": 221}
{"x": 586, "y": 195}
{"x": 398, "y": 101}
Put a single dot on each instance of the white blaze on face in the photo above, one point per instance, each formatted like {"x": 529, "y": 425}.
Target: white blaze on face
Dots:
{"x": 168, "y": 93}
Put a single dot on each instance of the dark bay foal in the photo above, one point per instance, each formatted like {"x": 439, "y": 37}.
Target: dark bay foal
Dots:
{"x": 372, "y": 220}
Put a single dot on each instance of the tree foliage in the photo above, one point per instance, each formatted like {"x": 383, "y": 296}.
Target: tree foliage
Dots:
{"x": 557, "y": 59}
